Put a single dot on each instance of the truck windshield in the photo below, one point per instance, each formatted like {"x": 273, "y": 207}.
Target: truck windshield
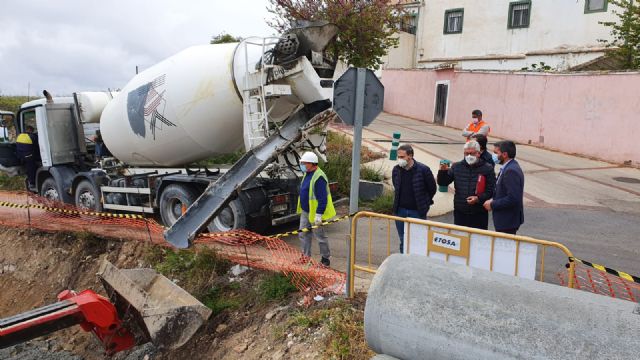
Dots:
{"x": 29, "y": 119}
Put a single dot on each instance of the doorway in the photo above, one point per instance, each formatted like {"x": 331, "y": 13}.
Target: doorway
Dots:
{"x": 442, "y": 92}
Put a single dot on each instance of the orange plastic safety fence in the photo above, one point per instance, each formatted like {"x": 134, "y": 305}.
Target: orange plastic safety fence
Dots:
{"x": 25, "y": 210}
{"x": 601, "y": 282}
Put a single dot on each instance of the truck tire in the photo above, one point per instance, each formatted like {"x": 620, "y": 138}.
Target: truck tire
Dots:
{"x": 233, "y": 216}
{"x": 175, "y": 196}
{"x": 88, "y": 197}
{"x": 49, "y": 190}
{"x": 172, "y": 200}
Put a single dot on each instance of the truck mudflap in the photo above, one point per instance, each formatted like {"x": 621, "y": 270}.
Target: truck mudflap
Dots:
{"x": 219, "y": 194}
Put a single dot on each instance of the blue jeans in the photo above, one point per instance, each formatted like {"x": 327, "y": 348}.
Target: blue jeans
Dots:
{"x": 402, "y": 212}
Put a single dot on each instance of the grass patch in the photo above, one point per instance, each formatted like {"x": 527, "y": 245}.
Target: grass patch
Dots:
{"x": 11, "y": 183}
{"x": 276, "y": 287}
{"x": 197, "y": 272}
{"x": 309, "y": 319}
{"x": 279, "y": 332}
{"x": 382, "y": 204}
{"x": 344, "y": 326}
{"x": 346, "y": 338}
{"x": 217, "y": 300}
{"x": 338, "y": 165}
{"x": 194, "y": 270}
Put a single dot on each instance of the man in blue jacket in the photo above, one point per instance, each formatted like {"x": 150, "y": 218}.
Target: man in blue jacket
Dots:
{"x": 507, "y": 203}
{"x": 414, "y": 186}
{"x": 315, "y": 206}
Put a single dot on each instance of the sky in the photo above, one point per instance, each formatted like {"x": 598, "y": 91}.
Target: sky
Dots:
{"x": 66, "y": 46}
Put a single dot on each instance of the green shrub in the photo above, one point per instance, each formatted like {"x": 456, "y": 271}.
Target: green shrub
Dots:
{"x": 382, "y": 204}
{"x": 370, "y": 174}
{"x": 276, "y": 287}
{"x": 338, "y": 164}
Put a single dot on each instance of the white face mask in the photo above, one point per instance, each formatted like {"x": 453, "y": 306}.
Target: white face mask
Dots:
{"x": 475, "y": 120}
{"x": 402, "y": 163}
{"x": 470, "y": 159}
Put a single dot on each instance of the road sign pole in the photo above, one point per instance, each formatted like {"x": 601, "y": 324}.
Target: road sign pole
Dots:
{"x": 355, "y": 159}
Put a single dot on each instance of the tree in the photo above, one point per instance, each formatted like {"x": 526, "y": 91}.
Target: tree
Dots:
{"x": 625, "y": 45}
{"x": 366, "y": 27}
{"x": 224, "y": 38}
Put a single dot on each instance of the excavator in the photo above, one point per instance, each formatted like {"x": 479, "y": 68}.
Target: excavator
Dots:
{"x": 142, "y": 306}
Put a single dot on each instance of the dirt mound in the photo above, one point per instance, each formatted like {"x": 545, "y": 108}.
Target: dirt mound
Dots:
{"x": 255, "y": 316}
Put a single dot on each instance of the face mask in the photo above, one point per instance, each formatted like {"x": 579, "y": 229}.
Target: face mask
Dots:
{"x": 402, "y": 163}
{"x": 303, "y": 168}
{"x": 470, "y": 159}
{"x": 475, "y": 120}
{"x": 495, "y": 158}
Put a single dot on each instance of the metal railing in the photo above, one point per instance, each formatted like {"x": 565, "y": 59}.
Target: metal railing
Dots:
{"x": 431, "y": 225}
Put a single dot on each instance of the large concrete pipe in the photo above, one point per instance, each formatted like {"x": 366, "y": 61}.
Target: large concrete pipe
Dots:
{"x": 420, "y": 308}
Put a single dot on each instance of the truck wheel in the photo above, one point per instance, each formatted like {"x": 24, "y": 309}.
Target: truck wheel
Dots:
{"x": 232, "y": 217}
{"x": 88, "y": 197}
{"x": 49, "y": 190}
{"x": 173, "y": 200}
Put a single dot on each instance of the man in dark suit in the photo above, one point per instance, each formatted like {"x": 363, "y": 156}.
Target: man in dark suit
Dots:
{"x": 507, "y": 203}
{"x": 414, "y": 186}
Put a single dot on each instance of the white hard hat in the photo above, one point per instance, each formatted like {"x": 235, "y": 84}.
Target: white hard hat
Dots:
{"x": 309, "y": 157}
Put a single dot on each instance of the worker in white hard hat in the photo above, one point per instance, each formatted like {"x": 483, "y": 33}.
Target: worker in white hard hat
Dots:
{"x": 314, "y": 205}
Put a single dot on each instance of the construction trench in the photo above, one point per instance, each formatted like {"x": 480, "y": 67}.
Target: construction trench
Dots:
{"x": 36, "y": 265}
{"x": 40, "y": 258}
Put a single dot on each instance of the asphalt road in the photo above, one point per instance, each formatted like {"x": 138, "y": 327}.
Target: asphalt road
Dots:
{"x": 600, "y": 236}
{"x": 590, "y": 206}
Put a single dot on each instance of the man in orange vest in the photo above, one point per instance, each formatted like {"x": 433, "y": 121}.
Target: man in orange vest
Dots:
{"x": 476, "y": 126}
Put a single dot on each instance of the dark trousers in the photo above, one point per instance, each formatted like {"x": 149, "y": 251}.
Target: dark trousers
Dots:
{"x": 477, "y": 220}
{"x": 402, "y": 212}
{"x": 30, "y": 167}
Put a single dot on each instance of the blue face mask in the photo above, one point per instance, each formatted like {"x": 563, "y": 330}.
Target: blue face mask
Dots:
{"x": 495, "y": 159}
{"x": 303, "y": 168}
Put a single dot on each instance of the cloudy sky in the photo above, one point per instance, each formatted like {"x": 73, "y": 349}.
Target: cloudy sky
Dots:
{"x": 78, "y": 45}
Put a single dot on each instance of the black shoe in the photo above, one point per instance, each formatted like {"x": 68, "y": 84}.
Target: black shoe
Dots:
{"x": 325, "y": 261}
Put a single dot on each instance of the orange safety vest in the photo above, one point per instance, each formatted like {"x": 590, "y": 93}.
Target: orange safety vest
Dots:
{"x": 476, "y": 127}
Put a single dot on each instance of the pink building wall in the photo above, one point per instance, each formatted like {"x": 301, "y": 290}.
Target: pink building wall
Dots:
{"x": 588, "y": 114}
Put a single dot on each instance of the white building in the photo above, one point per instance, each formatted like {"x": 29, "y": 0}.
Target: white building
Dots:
{"x": 503, "y": 35}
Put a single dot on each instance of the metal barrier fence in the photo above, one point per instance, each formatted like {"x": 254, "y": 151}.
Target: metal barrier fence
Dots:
{"x": 484, "y": 249}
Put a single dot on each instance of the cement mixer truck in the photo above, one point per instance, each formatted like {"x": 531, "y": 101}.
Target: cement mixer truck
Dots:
{"x": 267, "y": 96}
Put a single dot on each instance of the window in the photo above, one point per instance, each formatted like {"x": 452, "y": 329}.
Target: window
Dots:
{"x": 519, "y": 14}
{"x": 592, "y": 6}
{"x": 453, "y": 21}
{"x": 408, "y": 24}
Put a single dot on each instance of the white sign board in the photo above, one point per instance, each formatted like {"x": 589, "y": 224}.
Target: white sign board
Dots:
{"x": 417, "y": 237}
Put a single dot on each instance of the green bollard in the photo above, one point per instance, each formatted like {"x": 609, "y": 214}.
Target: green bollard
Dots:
{"x": 394, "y": 146}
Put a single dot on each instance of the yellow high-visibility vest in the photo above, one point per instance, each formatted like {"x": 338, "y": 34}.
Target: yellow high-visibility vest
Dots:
{"x": 24, "y": 138}
{"x": 329, "y": 211}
